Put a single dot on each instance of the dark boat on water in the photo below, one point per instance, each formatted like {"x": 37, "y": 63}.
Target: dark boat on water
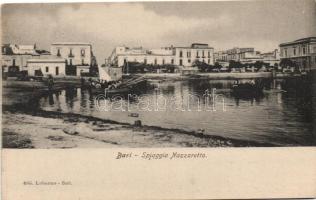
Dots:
{"x": 116, "y": 87}
{"x": 108, "y": 91}
{"x": 252, "y": 88}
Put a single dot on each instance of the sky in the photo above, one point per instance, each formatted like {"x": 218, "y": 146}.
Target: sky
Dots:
{"x": 223, "y": 25}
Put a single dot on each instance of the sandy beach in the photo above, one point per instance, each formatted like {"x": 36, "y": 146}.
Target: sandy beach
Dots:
{"x": 48, "y": 129}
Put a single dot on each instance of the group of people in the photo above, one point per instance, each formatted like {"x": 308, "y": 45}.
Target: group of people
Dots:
{"x": 103, "y": 84}
{"x": 251, "y": 82}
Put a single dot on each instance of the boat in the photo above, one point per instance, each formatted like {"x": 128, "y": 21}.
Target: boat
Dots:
{"x": 247, "y": 89}
{"x": 105, "y": 84}
{"x": 108, "y": 91}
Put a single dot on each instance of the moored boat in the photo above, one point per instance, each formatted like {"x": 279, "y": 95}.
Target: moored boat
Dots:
{"x": 105, "y": 84}
{"x": 247, "y": 89}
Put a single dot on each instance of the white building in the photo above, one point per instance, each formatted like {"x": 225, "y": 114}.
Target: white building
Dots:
{"x": 272, "y": 57}
{"x": 23, "y": 49}
{"x": 52, "y": 66}
{"x": 301, "y": 51}
{"x": 14, "y": 57}
{"x": 185, "y": 56}
{"x": 121, "y": 55}
{"x": 77, "y": 54}
{"x": 180, "y": 56}
{"x": 246, "y": 55}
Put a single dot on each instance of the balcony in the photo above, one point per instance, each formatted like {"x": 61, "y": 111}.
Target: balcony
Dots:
{"x": 71, "y": 55}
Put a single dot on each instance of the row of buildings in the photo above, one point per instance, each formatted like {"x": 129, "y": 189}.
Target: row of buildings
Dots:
{"x": 301, "y": 52}
{"x": 246, "y": 56}
{"x": 180, "y": 56}
{"x": 76, "y": 59}
{"x": 186, "y": 56}
{"x": 62, "y": 60}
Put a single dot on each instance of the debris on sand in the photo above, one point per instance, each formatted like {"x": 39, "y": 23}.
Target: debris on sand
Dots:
{"x": 70, "y": 131}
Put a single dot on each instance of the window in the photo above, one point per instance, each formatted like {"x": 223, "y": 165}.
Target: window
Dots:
{"x": 172, "y": 61}
{"x": 163, "y": 61}
{"x": 208, "y": 61}
{"x": 209, "y": 54}
{"x": 145, "y": 61}
{"x": 82, "y": 61}
{"x": 58, "y": 52}
{"x": 197, "y": 54}
{"x": 285, "y": 52}
{"x": 314, "y": 49}
{"x": 304, "y": 50}
{"x": 83, "y": 53}
{"x": 180, "y": 62}
{"x": 294, "y": 51}
{"x": 189, "y": 54}
{"x": 181, "y": 54}
{"x": 189, "y": 61}
{"x": 70, "y": 53}
{"x": 155, "y": 61}
{"x": 47, "y": 69}
{"x": 299, "y": 50}
{"x": 203, "y": 53}
{"x": 13, "y": 62}
{"x": 70, "y": 61}
{"x": 57, "y": 71}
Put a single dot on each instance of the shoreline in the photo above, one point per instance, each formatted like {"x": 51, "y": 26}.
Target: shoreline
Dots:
{"x": 16, "y": 101}
{"x": 57, "y": 128}
{"x": 218, "y": 76}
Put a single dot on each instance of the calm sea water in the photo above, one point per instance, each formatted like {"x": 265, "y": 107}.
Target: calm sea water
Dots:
{"x": 284, "y": 115}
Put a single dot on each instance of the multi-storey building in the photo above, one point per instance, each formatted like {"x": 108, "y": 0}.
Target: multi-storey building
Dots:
{"x": 181, "y": 56}
{"x": 186, "y": 56}
{"x": 121, "y": 55}
{"x": 79, "y": 56}
{"x": 14, "y": 57}
{"x": 247, "y": 55}
{"x": 301, "y": 51}
{"x": 244, "y": 55}
{"x": 273, "y": 57}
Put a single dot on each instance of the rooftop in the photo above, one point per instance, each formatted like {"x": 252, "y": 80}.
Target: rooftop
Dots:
{"x": 51, "y": 59}
{"x": 197, "y": 46}
{"x": 17, "y": 49}
{"x": 299, "y": 41}
{"x": 71, "y": 43}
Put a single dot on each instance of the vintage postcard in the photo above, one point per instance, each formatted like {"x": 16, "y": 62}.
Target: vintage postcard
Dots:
{"x": 184, "y": 99}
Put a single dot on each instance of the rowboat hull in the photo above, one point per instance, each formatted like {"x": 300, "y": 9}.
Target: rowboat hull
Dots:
{"x": 246, "y": 90}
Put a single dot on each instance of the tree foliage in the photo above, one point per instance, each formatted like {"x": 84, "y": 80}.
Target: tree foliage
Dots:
{"x": 137, "y": 67}
{"x": 287, "y": 63}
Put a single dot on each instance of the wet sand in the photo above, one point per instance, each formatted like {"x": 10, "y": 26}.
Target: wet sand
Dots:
{"x": 46, "y": 129}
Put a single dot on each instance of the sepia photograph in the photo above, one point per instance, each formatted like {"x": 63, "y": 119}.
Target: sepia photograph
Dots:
{"x": 159, "y": 74}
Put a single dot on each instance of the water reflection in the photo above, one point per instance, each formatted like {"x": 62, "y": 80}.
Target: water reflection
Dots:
{"x": 282, "y": 115}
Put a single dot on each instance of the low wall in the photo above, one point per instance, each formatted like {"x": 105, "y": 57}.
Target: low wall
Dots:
{"x": 224, "y": 75}
{"x": 237, "y": 75}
